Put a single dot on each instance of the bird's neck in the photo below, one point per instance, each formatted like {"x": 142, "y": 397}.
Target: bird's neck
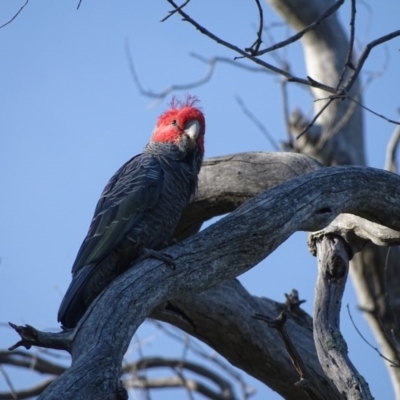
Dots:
{"x": 170, "y": 151}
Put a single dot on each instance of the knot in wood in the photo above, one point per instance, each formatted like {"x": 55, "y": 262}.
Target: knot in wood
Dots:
{"x": 336, "y": 268}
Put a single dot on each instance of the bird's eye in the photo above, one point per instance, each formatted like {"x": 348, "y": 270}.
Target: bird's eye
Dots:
{"x": 174, "y": 122}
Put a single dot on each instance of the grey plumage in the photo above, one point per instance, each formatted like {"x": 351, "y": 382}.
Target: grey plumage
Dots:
{"x": 139, "y": 208}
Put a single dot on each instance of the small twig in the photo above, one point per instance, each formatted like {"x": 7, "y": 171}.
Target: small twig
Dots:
{"x": 230, "y": 61}
{"x": 278, "y": 324}
{"x": 316, "y": 116}
{"x": 148, "y": 363}
{"x": 364, "y": 56}
{"x": 259, "y": 125}
{"x": 171, "y": 13}
{"x": 271, "y": 67}
{"x": 304, "y": 383}
{"x": 292, "y": 301}
{"x": 9, "y": 383}
{"x": 161, "y": 95}
{"x": 79, "y": 4}
{"x": 197, "y": 349}
{"x": 392, "y": 121}
{"x": 253, "y": 49}
{"x": 348, "y": 62}
{"x": 301, "y": 33}
{"x": 15, "y": 16}
{"x": 368, "y": 343}
{"x": 33, "y": 362}
{"x": 32, "y": 337}
{"x": 29, "y": 393}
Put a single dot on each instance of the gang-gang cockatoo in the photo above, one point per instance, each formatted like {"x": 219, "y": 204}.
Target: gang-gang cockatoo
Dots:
{"x": 139, "y": 208}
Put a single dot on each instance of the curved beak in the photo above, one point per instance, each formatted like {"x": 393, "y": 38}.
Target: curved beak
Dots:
{"x": 192, "y": 129}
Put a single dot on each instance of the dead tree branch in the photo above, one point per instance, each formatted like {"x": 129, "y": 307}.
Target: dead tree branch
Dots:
{"x": 15, "y": 15}
{"x": 333, "y": 266}
{"x": 224, "y": 250}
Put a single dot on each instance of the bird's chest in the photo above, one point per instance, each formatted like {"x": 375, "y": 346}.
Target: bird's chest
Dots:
{"x": 159, "y": 222}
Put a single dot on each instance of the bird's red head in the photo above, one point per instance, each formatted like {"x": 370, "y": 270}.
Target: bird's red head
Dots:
{"x": 183, "y": 119}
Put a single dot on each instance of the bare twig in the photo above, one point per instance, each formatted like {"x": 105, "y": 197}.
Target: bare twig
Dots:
{"x": 35, "y": 362}
{"x": 171, "y": 13}
{"x": 258, "y": 123}
{"x": 392, "y": 121}
{"x": 32, "y": 337}
{"x": 300, "y": 34}
{"x": 348, "y": 62}
{"x": 393, "y": 364}
{"x": 337, "y": 92}
{"x": 161, "y": 95}
{"x": 15, "y": 16}
{"x": 29, "y": 393}
{"x": 278, "y": 324}
{"x": 79, "y": 4}
{"x": 253, "y": 49}
{"x": 9, "y": 383}
{"x": 316, "y": 116}
{"x": 147, "y": 363}
{"x": 227, "y": 60}
{"x": 264, "y": 64}
{"x": 197, "y": 349}
{"x": 365, "y": 55}
{"x": 176, "y": 382}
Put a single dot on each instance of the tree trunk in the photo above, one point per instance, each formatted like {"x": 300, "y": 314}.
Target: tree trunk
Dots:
{"x": 337, "y": 139}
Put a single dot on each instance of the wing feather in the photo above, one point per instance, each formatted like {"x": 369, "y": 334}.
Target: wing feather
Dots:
{"x": 134, "y": 188}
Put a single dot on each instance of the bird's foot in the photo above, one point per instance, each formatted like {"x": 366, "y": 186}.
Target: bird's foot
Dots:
{"x": 158, "y": 255}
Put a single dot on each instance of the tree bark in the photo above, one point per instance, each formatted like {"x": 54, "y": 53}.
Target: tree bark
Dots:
{"x": 337, "y": 139}
{"x": 219, "y": 253}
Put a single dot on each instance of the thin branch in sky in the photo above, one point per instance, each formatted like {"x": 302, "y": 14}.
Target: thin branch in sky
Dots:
{"x": 337, "y": 92}
{"x": 279, "y": 324}
{"x": 159, "y": 96}
{"x": 301, "y": 33}
{"x": 15, "y": 16}
{"x": 392, "y": 121}
{"x": 258, "y": 123}
{"x": 365, "y": 54}
{"x": 227, "y": 60}
{"x": 197, "y": 348}
{"x": 348, "y": 62}
{"x": 243, "y": 53}
{"x": 79, "y": 4}
{"x": 368, "y": 343}
{"x": 9, "y": 383}
{"x": 171, "y": 13}
{"x": 253, "y": 49}
{"x": 316, "y": 116}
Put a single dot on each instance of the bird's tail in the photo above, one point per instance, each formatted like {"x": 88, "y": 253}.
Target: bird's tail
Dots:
{"x": 73, "y": 305}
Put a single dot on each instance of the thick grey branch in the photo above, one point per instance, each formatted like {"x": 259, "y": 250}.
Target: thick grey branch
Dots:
{"x": 227, "y": 182}
{"x": 333, "y": 267}
{"x": 357, "y": 232}
{"x": 219, "y": 253}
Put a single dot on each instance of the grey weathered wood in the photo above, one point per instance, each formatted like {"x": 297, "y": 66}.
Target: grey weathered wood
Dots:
{"x": 219, "y": 253}
{"x": 357, "y": 232}
{"x": 222, "y": 318}
{"x": 333, "y": 267}
{"x": 335, "y": 139}
{"x": 226, "y": 182}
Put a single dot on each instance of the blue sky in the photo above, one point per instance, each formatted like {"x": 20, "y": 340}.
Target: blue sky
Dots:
{"x": 71, "y": 115}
